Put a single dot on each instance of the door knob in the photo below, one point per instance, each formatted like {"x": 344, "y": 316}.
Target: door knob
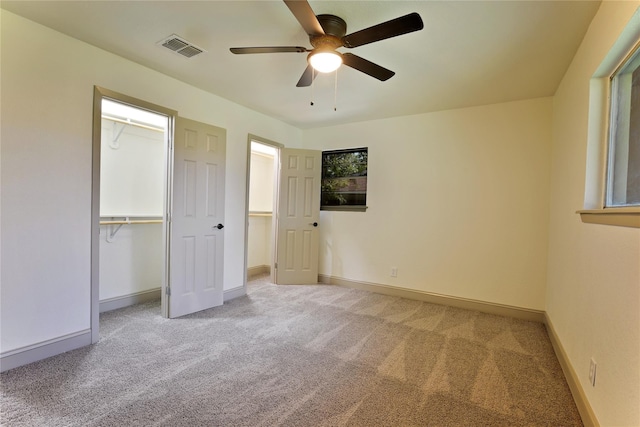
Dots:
{"x": 315, "y": 224}
{"x": 219, "y": 227}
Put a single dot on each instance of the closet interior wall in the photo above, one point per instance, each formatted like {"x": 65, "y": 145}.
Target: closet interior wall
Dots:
{"x": 132, "y": 177}
{"x": 260, "y": 213}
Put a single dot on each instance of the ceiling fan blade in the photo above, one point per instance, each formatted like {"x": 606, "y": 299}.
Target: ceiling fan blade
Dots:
{"x": 307, "y": 77}
{"x": 396, "y": 27}
{"x": 367, "y": 67}
{"x": 305, "y": 16}
{"x": 268, "y": 49}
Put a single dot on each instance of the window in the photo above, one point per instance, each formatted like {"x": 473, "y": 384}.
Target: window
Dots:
{"x": 623, "y": 174}
{"x": 614, "y": 113}
{"x": 344, "y": 179}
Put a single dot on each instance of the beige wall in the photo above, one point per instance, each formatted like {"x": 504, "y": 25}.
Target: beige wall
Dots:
{"x": 47, "y": 99}
{"x": 593, "y": 290}
{"x": 458, "y": 202}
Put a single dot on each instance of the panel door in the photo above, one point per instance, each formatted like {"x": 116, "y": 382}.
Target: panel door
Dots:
{"x": 298, "y": 217}
{"x": 196, "y": 241}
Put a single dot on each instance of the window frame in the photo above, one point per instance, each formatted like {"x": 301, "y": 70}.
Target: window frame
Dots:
{"x": 595, "y": 209}
{"x": 346, "y": 207}
{"x": 618, "y": 98}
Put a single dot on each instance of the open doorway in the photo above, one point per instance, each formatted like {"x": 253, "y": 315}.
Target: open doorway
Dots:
{"x": 133, "y": 158}
{"x": 263, "y": 160}
{"x": 130, "y": 185}
{"x": 282, "y": 236}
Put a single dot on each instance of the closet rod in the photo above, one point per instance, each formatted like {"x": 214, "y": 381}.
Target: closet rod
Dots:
{"x": 116, "y": 225}
{"x": 133, "y": 221}
{"x": 126, "y": 122}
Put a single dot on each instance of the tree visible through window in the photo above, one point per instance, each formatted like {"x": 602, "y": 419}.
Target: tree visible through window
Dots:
{"x": 623, "y": 177}
{"x": 344, "y": 179}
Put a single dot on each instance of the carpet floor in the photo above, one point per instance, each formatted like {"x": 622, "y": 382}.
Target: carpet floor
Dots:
{"x": 313, "y": 355}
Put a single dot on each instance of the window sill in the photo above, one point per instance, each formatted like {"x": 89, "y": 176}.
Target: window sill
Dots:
{"x": 344, "y": 208}
{"x": 622, "y": 217}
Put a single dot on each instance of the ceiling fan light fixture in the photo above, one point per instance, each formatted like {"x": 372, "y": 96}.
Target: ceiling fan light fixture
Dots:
{"x": 325, "y": 61}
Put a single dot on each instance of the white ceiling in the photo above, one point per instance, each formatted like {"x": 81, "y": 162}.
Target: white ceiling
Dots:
{"x": 469, "y": 52}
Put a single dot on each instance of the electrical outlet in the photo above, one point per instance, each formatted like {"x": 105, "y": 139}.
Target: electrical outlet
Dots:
{"x": 394, "y": 271}
{"x": 592, "y": 372}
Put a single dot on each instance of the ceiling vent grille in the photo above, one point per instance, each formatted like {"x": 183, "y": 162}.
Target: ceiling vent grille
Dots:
{"x": 180, "y": 46}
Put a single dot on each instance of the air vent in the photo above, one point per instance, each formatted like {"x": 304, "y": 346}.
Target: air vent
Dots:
{"x": 180, "y": 46}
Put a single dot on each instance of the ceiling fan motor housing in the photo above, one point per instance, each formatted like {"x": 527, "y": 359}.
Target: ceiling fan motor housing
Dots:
{"x": 334, "y": 29}
{"x": 333, "y": 25}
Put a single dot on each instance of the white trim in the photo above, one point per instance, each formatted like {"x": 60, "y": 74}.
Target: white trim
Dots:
{"x": 620, "y": 216}
{"x": 98, "y": 94}
{"x": 43, "y": 350}
{"x": 468, "y": 304}
{"x": 587, "y": 414}
{"x": 230, "y": 294}
{"x": 131, "y": 299}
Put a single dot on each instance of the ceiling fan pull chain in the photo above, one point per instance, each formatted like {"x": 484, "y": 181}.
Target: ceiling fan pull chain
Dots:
{"x": 335, "y": 93}
{"x": 313, "y": 71}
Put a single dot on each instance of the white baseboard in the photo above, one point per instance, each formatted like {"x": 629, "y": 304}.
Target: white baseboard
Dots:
{"x": 258, "y": 270}
{"x": 154, "y": 294}
{"x": 469, "y": 304}
{"x": 586, "y": 411}
{"x": 127, "y": 300}
{"x": 43, "y": 350}
{"x": 230, "y": 294}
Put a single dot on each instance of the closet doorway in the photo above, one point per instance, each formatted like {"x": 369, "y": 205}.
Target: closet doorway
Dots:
{"x": 263, "y": 161}
{"x": 130, "y": 200}
{"x": 283, "y": 212}
{"x": 133, "y": 177}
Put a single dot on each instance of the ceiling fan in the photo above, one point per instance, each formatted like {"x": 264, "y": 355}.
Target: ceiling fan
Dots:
{"x": 327, "y": 33}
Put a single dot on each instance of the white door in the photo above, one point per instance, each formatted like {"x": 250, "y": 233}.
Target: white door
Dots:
{"x": 197, "y": 218}
{"x": 298, "y": 217}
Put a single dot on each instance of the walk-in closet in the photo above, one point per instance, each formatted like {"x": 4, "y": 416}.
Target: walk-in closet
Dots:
{"x": 133, "y": 177}
{"x": 261, "y": 202}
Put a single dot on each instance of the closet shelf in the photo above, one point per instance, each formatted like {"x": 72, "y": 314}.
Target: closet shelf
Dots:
{"x": 133, "y": 123}
{"x": 256, "y": 213}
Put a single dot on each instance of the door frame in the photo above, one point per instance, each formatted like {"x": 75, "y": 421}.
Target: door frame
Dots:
{"x": 276, "y": 196}
{"x": 99, "y": 94}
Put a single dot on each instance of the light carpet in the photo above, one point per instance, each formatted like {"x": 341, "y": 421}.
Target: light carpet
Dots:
{"x": 313, "y": 355}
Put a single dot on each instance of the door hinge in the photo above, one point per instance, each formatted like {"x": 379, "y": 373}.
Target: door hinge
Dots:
{"x": 167, "y": 291}
{"x": 275, "y": 265}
